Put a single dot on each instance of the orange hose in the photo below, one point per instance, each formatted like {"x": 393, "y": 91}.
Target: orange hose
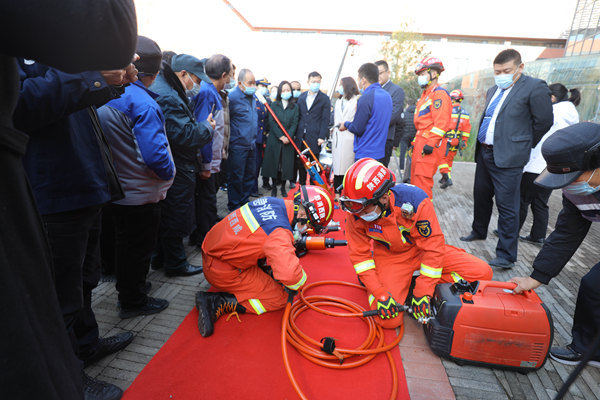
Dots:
{"x": 311, "y": 348}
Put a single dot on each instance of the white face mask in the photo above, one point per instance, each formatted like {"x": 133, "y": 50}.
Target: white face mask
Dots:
{"x": 302, "y": 230}
{"x": 422, "y": 80}
{"x": 372, "y": 216}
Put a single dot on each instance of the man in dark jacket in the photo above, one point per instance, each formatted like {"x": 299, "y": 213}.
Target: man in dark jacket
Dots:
{"x": 518, "y": 114}
{"x": 397, "y": 94}
{"x": 408, "y": 130}
{"x": 186, "y": 137}
{"x": 313, "y": 126}
{"x": 72, "y": 176}
{"x": 31, "y": 317}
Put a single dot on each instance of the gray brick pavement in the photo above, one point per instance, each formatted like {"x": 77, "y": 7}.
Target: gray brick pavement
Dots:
{"x": 454, "y": 207}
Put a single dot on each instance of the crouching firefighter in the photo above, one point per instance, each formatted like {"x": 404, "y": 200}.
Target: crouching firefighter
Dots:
{"x": 265, "y": 228}
{"x": 400, "y": 222}
{"x": 457, "y": 138}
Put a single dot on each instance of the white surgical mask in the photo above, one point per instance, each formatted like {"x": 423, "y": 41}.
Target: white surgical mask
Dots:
{"x": 193, "y": 91}
{"x": 372, "y": 216}
{"x": 423, "y": 80}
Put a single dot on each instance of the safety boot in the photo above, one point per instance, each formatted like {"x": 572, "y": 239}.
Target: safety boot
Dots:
{"x": 443, "y": 180}
{"x": 211, "y": 306}
{"x": 447, "y": 182}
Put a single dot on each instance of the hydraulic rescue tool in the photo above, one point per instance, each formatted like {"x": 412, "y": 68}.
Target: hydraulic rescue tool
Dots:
{"x": 306, "y": 243}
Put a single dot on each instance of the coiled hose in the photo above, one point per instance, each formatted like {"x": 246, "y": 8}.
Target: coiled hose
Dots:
{"x": 311, "y": 348}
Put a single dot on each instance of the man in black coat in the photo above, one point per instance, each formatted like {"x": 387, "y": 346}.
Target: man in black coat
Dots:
{"x": 518, "y": 114}
{"x": 313, "y": 126}
{"x": 397, "y": 94}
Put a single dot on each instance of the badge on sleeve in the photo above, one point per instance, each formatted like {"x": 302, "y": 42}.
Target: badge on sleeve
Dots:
{"x": 437, "y": 103}
{"x": 424, "y": 228}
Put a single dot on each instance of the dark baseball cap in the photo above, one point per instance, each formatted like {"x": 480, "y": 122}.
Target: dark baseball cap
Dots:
{"x": 569, "y": 152}
{"x": 150, "y": 56}
{"x": 190, "y": 64}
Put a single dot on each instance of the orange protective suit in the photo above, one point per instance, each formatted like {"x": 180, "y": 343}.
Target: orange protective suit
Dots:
{"x": 231, "y": 250}
{"x": 432, "y": 121}
{"x": 460, "y": 130}
{"x": 402, "y": 244}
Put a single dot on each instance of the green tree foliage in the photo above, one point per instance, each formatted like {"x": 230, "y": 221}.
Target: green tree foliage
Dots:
{"x": 403, "y": 50}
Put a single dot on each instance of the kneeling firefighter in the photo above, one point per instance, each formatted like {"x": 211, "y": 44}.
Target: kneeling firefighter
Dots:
{"x": 400, "y": 221}
{"x": 265, "y": 228}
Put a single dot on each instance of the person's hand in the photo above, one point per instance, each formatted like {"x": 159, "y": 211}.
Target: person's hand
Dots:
{"x": 284, "y": 139}
{"x": 427, "y": 149}
{"x": 342, "y": 127}
{"x": 387, "y": 306}
{"x": 420, "y": 307}
{"x": 204, "y": 175}
{"x": 320, "y": 141}
{"x": 524, "y": 284}
{"x": 211, "y": 121}
{"x": 118, "y": 77}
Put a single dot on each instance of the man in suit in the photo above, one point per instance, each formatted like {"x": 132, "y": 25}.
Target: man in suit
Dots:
{"x": 313, "y": 127}
{"x": 397, "y": 94}
{"x": 518, "y": 113}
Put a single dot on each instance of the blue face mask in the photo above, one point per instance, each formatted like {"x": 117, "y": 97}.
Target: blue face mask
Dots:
{"x": 423, "y": 80}
{"x": 315, "y": 86}
{"x": 193, "y": 91}
{"x": 340, "y": 90}
{"x": 582, "y": 188}
{"x": 250, "y": 90}
{"x": 230, "y": 85}
{"x": 296, "y": 94}
{"x": 286, "y": 95}
{"x": 263, "y": 90}
{"x": 504, "y": 81}
{"x": 372, "y": 216}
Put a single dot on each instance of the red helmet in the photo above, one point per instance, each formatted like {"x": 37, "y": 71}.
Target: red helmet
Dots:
{"x": 318, "y": 205}
{"x": 457, "y": 95}
{"x": 364, "y": 183}
{"x": 429, "y": 63}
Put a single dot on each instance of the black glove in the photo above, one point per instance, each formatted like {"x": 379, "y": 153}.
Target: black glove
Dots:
{"x": 387, "y": 307}
{"x": 420, "y": 307}
{"x": 427, "y": 149}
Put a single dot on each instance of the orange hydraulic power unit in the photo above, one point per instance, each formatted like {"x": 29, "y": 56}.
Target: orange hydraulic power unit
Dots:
{"x": 485, "y": 323}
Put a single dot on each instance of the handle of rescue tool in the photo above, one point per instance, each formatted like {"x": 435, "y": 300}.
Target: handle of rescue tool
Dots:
{"x": 501, "y": 285}
{"x": 375, "y": 313}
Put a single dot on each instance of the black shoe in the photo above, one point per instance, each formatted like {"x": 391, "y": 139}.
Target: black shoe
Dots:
{"x": 274, "y": 191}
{"x": 502, "y": 263}
{"x": 94, "y": 389}
{"x": 283, "y": 191}
{"x": 471, "y": 237}
{"x": 185, "y": 271}
{"x": 147, "y": 287}
{"x": 446, "y": 183}
{"x": 106, "y": 346}
{"x": 152, "y": 306}
{"x": 211, "y": 306}
{"x": 529, "y": 239}
{"x": 266, "y": 186}
{"x": 496, "y": 232}
{"x": 292, "y": 185}
{"x": 566, "y": 355}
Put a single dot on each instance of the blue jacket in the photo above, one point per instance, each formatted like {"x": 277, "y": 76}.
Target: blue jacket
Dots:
{"x": 243, "y": 119}
{"x": 207, "y": 101}
{"x": 186, "y": 136}
{"x": 371, "y": 122}
{"x": 135, "y": 128}
{"x": 68, "y": 160}
{"x": 263, "y": 122}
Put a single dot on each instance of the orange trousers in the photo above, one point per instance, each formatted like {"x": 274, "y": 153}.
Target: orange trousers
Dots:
{"x": 446, "y": 163}
{"x": 424, "y": 167}
{"x": 252, "y": 287}
{"x": 396, "y": 276}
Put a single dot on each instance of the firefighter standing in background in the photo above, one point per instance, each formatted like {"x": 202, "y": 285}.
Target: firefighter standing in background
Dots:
{"x": 456, "y": 138}
{"x": 399, "y": 223}
{"x": 262, "y": 230}
{"x": 432, "y": 121}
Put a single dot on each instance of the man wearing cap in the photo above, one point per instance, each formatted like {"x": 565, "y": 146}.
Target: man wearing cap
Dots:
{"x": 186, "y": 137}
{"x": 261, "y": 133}
{"x": 134, "y": 126}
{"x": 573, "y": 158}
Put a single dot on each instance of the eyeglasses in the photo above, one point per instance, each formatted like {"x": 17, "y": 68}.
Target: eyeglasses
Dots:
{"x": 354, "y": 206}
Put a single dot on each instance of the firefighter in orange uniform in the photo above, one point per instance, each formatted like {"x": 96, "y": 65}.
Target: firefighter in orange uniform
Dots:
{"x": 456, "y": 138}
{"x": 262, "y": 230}
{"x": 399, "y": 224}
{"x": 432, "y": 121}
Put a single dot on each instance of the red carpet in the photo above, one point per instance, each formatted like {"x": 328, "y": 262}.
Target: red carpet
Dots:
{"x": 244, "y": 361}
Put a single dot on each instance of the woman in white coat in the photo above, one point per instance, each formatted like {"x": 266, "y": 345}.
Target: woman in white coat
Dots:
{"x": 343, "y": 142}
{"x": 532, "y": 195}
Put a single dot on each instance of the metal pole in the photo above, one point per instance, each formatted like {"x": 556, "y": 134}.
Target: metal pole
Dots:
{"x": 337, "y": 76}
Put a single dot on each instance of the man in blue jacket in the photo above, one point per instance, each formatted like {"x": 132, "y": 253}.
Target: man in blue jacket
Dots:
{"x": 135, "y": 126}
{"x": 242, "y": 153}
{"x": 373, "y": 114}
{"x": 72, "y": 176}
{"x": 186, "y": 137}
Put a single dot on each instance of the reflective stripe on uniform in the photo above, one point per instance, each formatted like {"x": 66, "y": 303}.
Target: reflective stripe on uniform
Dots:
{"x": 364, "y": 266}
{"x": 371, "y": 299}
{"x": 257, "y": 306}
{"x": 455, "y": 276}
{"x": 438, "y": 131}
{"x": 434, "y": 273}
{"x": 249, "y": 218}
{"x": 299, "y": 283}
{"x": 442, "y": 166}
{"x": 425, "y": 105}
{"x": 466, "y": 134}
{"x": 402, "y": 230}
